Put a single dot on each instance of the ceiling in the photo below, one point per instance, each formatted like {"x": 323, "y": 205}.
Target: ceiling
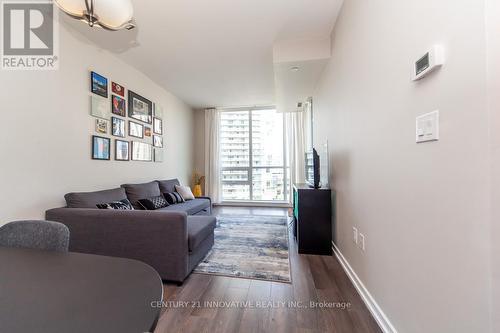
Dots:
{"x": 214, "y": 52}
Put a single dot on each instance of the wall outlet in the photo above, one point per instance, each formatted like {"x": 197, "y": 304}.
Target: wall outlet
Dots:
{"x": 355, "y": 235}
{"x": 362, "y": 241}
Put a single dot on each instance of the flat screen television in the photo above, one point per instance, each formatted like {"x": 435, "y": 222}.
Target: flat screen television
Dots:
{"x": 312, "y": 169}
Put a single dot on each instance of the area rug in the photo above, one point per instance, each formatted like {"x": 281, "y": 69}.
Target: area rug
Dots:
{"x": 254, "y": 247}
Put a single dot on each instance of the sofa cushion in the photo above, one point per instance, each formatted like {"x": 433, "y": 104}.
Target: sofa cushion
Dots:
{"x": 167, "y": 186}
{"x": 136, "y": 192}
{"x": 91, "y": 199}
{"x": 199, "y": 228}
{"x": 191, "y": 207}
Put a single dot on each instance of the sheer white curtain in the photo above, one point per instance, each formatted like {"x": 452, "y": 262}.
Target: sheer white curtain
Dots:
{"x": 212, "y": 160}
{"x": 295, "y": 143}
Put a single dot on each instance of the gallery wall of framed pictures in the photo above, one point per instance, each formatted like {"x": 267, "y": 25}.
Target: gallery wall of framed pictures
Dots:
{"x": 128, "y": 124}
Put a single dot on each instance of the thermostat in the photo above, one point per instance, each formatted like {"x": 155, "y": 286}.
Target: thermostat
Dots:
{"x": 428, "y": 127}
{"x": 429, "y": 62}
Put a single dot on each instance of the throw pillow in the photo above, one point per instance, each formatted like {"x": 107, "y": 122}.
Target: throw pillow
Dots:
{"x": 153, "y": 203}
{"x": 185, "y": 192}
{"x": 173, "y": 198}
{"x": 120, "y": 205}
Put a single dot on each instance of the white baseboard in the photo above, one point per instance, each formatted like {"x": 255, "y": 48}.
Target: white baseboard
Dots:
{"x": 371, "y": 304}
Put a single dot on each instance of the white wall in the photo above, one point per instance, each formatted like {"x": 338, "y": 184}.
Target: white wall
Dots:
{"x": 423, "y": 208}
{"x": 493, "y": 80}
{"x": 46, "y": 131}
{"x": 199, "y": 141}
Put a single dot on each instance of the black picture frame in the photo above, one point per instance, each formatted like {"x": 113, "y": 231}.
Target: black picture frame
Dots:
{"x": 101, "y": 154}
{"x": 157, "y": 126}
{"x": 120, "y": 107}
{"x": 98, "y": 84}
{"x": 117, "y": 158}
{"x": 115, "y": 121}
{"x": 135, "y": 102}
{"x": 133, "y": 123}
{"x": 157, "y": 141}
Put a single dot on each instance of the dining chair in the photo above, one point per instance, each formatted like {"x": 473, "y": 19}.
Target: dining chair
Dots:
{"x": 35, "y": 234}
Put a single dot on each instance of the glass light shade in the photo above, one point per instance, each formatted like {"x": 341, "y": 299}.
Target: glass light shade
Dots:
{"x": 72, "y": 7}
{"x": 111, "y": 14}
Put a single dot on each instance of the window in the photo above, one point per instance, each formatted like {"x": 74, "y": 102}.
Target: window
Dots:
{"x": 252, "y": 155}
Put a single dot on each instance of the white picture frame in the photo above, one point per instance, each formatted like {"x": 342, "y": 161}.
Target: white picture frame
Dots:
{"x": 141, "y": 152}
{"x": 99, "y": 107}
{"x": 101, "y": 126}
{"x": 158, "y": 155}
{"x": 158, "y": 110}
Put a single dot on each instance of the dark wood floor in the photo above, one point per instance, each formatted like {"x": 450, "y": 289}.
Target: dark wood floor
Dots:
{"x": 314, "y": 278}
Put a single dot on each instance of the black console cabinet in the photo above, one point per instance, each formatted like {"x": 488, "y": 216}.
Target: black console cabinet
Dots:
{"x": 312, "y": 210}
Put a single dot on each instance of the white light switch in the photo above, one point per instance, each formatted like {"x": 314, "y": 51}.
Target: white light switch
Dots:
{"x": 362, "y": 241}
{"x": 428, "y": 127}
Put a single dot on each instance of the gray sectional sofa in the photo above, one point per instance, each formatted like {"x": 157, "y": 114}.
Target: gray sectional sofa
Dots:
{"x": 173, "y": 240}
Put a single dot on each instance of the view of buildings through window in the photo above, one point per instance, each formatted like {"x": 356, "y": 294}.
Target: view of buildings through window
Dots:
{"x": 252, "y": 156}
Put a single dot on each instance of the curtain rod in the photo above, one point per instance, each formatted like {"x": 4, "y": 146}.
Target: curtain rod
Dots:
{"x": 242, "y": 108}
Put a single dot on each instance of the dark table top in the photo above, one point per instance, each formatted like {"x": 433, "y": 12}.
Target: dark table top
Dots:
{"x": 73, "y": 292}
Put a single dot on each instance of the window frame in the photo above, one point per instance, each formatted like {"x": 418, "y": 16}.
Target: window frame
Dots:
{"x": 249, "y": 169}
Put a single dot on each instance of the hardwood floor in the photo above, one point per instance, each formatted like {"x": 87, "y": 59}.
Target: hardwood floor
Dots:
{"x": 276, "y": 307}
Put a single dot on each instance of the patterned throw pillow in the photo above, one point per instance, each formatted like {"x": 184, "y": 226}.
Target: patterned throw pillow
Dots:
{"x": 119, "y": 205}
{"x": 173, "y": 198}
{"x": 153, "y": 203}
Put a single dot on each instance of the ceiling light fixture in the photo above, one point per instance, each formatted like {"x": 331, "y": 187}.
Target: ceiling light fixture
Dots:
{"x": 295, "y": 69}
{"x": 108, "y": 14}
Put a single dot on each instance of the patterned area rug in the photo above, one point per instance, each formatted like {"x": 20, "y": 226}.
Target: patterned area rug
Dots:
{"x": 253, "y": 247}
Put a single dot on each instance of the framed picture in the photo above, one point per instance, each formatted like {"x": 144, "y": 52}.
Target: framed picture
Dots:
{"x": 101, "y": 126}
{"x": 101, "y": 148}
{"x": 122, "y": 150}
{"x": 139, "y": 107}
{"x": 98, "y": 84}
{"x": 157, "y": 126}
{"x": 117, "y": 89}
{"x": 99, "y": 107}
{"x": 158, "y": 152}
{"x": 118, "y": 127}
{"x": 142, "y": 151}
{"x": 158, "y": 110}
{"x": 118, "y": 106}
{"x": 158, "y": 141}
{"x": 135, "y": 129}
{"x": 147, "y": 131}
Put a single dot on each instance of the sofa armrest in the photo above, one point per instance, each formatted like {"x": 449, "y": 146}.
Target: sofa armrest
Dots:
{"x": 209, "y": 199}
{"x": 157, "y": 238}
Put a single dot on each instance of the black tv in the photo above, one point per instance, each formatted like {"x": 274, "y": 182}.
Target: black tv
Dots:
{"x": 312, "y": 169}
